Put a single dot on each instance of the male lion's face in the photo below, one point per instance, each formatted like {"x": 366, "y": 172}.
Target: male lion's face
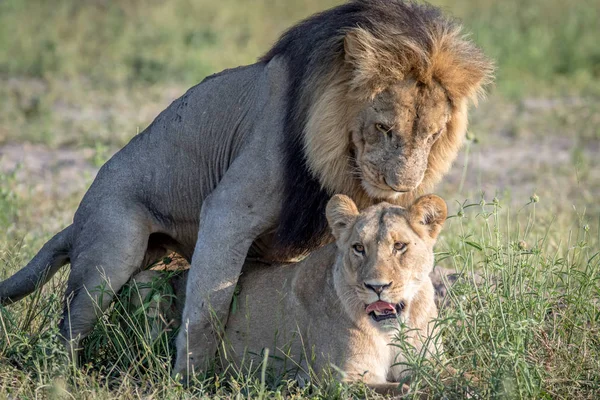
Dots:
{"x": 394, "y": 135}
{"x": 387, "y": 254}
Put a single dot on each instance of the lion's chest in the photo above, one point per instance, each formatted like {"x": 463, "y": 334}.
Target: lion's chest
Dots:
{"x": 390, "y": 359}
{"x": 372, "y": 356}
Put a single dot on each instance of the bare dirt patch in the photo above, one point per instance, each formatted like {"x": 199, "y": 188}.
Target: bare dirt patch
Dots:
{"x": 512, "y": 161}
{"x": 43, "y": 170}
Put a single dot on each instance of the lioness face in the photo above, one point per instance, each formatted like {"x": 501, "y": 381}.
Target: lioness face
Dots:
{"x": 394, "y": 135}
{"x": 386, "y": 253}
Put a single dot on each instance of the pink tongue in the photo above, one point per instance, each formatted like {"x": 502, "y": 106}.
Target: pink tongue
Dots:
{"x": 381, "y": 307}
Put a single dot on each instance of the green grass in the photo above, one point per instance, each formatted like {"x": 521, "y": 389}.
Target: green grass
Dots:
{"x": 538, "y": 45}
{"x": 114, "y": 43}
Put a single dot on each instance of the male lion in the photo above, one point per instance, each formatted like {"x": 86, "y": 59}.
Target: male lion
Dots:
{"x": 341, "y": 305}
{"x": 368, "y": 99}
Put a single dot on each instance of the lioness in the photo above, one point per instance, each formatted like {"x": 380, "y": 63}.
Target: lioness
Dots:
{"x": 342, "y": 304}
{"x": 368, "y": 99}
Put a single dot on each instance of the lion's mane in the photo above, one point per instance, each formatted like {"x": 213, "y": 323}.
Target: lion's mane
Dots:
{"x": 392, "y": 40}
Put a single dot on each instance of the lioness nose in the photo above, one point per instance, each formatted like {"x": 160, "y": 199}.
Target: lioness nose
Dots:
{"x": 378, "y": 288}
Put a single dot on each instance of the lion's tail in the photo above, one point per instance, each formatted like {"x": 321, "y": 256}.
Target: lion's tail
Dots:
{"x": 47, "y": 261}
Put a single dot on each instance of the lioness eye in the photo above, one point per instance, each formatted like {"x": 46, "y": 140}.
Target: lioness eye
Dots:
{"x": 399, "y": 246}
{"x": 383, "y": 129}
{"x": 359, "y": 248}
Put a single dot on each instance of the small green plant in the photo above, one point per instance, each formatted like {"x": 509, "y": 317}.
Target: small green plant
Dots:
{"x": 8, "y": 199}
{"x": 101, "y": 154}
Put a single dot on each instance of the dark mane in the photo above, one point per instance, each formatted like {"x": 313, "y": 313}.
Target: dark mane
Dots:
{"x": 312, "y": 48}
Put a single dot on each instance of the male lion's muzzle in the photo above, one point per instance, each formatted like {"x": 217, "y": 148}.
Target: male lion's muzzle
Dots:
{"x": 407, "y": 173}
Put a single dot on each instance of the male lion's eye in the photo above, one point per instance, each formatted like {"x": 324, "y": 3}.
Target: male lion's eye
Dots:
{"x": 436, "y": 135}
{"x": 359, "y": 248}
{"x": 383, "y": 129}
{"x": 399, "y": 246}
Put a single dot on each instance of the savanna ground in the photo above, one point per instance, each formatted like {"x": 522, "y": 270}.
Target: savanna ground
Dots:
{"x": 78, "y": 79}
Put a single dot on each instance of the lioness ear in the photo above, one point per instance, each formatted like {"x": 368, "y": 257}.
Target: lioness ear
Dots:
{"x": 427, "y": 215}
{"x": 341, "y": 213}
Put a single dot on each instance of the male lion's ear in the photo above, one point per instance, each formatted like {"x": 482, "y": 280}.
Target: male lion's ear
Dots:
{"x": 367, "y": 64}
{"x": 463, "y": 70}
{"x": 341, "y": 213}
{"x": 352, "y": 46}
{"x": 427, "y": 215}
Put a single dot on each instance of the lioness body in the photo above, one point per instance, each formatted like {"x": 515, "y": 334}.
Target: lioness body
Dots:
{"x": 300, "y": 322}
{"x": 367, "y": 99}
{"x": 314, "y": 315}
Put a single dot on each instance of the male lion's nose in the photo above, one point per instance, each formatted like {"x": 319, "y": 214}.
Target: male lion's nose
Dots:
{"x": 378, "y": 288}
{"x": 397, "y": 187}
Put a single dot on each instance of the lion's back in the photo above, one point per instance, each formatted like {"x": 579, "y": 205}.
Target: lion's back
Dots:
{"x": 177, "y": 161}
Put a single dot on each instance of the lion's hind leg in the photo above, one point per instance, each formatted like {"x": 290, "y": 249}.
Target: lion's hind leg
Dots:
{"x": 106, "y": 255}
{"x": 155, "y": 292}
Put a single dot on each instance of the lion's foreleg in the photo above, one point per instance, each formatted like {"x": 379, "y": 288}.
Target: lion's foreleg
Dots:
{"x": 243, "y": 206}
